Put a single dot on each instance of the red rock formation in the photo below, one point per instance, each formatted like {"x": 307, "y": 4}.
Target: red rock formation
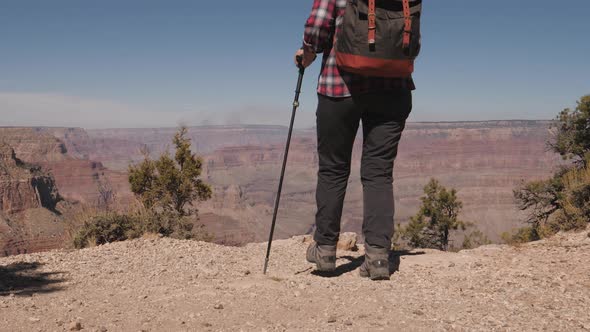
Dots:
{"x": 78, "y": 178}
{"x": 26, "y": 197}
{"x": 31, "y": 146}
{"x": 23, "y": 187}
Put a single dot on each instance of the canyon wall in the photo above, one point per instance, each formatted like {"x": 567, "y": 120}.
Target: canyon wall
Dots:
{"x": 484, "y": 161}
{"x": 36, "y": 163}
{"x": 57, "y": 151}
{"x": 28, "y": 198}
{"x": 23, "y": 187}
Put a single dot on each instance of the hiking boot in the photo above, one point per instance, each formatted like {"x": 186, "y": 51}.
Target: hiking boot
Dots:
{"x": 376, "y": 264}
{"x": 323, "y": 256}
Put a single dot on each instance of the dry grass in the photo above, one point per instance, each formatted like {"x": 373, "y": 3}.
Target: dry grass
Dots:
{"x": 76, "y": 220}
{"x": 150, "y": 236}
{"x": 576, "y": 202}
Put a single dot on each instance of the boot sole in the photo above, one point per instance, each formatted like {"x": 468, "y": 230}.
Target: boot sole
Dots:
{"x": 325, "y": 267}
{"x": 375, "y": 276}
{"x": 322, "y": 267}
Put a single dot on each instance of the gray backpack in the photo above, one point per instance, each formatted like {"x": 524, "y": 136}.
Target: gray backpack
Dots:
{"x": 379, "y": 37}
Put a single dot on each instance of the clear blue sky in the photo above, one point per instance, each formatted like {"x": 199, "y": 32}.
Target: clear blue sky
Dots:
{"x": 157, "y": 63}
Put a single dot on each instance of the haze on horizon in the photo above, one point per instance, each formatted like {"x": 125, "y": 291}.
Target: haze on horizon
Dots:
{"x": 143, "y": 63}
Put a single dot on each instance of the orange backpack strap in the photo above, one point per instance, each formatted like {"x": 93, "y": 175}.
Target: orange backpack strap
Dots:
{"x": 407, "y": 24}
{"x": 372, "y": 22}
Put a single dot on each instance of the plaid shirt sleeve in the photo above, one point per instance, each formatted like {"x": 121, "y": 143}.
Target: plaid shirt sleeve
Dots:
{"x": 319, "y": 26}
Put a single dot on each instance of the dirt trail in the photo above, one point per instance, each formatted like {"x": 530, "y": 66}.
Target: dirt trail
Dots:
{"x": 170, "y": 285}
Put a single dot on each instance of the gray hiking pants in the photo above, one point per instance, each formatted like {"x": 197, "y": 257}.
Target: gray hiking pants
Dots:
{"x": 383, "y": 116}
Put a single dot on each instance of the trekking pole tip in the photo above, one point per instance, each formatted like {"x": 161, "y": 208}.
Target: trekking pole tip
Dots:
{"x": 265, "y": 266}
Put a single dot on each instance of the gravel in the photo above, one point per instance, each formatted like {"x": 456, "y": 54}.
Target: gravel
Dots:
{"x": 162, "y": 284}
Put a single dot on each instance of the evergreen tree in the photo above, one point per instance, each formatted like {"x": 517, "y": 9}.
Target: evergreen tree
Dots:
{"x": 572, "y": 139}
{"x": 437, "y": 217}
{"x": 168, "y": 184}
{"x": 562, "y": 202}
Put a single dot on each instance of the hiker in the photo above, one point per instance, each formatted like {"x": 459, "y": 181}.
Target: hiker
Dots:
{"x": 365, "y": 77}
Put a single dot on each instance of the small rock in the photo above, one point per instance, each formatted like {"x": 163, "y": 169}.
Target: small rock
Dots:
{"x": 452, "y": 265}
{"x": 247, "y": 272}
{"x": 102, "y": 329}
{"x": 34, "y": 319}
{"x": 332, "y": 319}
{"x": 348, "y": 323}
{"x": 347, "y": 242}
{"x": 218, "y": 306}
{"x": 418, "y": 312}
{"x": 306, "y": 239}
{"x": 75, "y": 326}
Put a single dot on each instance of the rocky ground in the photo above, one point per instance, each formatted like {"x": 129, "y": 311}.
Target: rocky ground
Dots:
{"x": 157, "y": 284}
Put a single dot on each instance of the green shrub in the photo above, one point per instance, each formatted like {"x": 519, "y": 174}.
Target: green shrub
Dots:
{"x": 437, "y": 218}
{"x": 475, "y": 239}
{"x": 168, "y": 223}
{"x": 167, "y": 189}
{"x": 106, "y": 228}
{"x": 522, "y": 235}
{"x": 575, "y": 214}
{"x": 169, "y": 183}
{"x": 113, "y": 227}
{"x": 561, "y": 203}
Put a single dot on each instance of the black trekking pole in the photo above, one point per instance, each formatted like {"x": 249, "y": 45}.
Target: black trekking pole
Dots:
{"x": 278, "y": 198}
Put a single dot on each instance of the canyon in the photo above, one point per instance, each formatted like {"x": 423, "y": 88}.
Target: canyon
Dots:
{"x": 28, "y": 206}
{"x": 484, "y": 161}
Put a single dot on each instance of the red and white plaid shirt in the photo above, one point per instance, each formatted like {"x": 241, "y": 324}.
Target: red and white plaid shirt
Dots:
{"x": 321, "y": 27}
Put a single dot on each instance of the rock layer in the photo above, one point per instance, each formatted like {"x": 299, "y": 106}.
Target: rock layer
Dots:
{"x": 485, "y": 161}
{"x": 23, "y": 187}
{"x": 57, "y": 150}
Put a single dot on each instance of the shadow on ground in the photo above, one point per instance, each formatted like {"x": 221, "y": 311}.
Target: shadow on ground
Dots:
{"x": 355, "y": 262}
{"x": 23, "y": 279}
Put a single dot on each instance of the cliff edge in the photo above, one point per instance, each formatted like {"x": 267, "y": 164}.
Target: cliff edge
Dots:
{"x": 159, "y": 284}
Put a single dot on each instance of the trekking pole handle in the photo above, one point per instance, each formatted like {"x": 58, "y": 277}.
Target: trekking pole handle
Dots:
{"x": 299, "y": 59}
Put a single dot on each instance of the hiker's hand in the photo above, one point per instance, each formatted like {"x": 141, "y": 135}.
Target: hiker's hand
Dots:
{"x": 307, "y": 58}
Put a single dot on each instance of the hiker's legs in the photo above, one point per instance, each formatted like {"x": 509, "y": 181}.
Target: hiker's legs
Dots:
{"x": 337, "y": 125}
{"x": 384, "y": 117}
